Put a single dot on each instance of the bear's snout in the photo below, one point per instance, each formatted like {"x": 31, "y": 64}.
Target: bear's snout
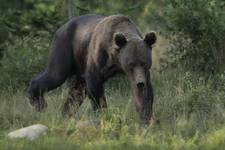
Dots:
{"x": 139, "y": 77}
{"x": 140, "y": 85}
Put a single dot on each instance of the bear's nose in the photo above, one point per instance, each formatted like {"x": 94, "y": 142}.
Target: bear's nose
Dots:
{"x": 140, "y": 84}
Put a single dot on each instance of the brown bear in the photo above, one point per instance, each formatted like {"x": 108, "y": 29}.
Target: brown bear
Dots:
{"x": 90, "y": 49}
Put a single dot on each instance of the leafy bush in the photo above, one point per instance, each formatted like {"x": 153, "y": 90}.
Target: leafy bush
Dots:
{"x": 25, "y": 29}
{"x": 25, "y": 17}
{"x": 198, "y": 39}
{"x": 24, "y": 58}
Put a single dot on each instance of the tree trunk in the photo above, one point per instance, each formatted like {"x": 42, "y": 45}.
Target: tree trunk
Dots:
{"x": 70, "y": 9}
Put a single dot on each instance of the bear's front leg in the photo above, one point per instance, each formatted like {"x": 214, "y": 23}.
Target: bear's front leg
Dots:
{"x": 95, "y": 89}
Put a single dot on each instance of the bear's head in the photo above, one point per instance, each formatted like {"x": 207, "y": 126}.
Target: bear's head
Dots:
{"x": 135, "y": 59}
{"x": 135, "y": 56}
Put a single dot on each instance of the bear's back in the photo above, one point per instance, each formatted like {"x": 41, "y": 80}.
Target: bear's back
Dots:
{"x": 108, "y": 26}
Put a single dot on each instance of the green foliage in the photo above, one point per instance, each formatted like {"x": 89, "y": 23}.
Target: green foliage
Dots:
{"x": 24, "y": 58}
{"x": 25, "y": 31}
{"x": 42, "y": 17}
{"x": 131, "y": 8}
{"x": 198, "y": 39}
{"x": 25, "y": 17}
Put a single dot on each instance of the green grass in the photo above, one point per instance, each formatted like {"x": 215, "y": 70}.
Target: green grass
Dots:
{"x": 191, "y": 110}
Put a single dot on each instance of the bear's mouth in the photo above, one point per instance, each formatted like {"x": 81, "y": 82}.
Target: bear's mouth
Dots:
{"x": 139, "y": 97}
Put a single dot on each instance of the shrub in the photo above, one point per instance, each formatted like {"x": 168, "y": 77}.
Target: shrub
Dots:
{"x": 19, "y": 18}
{"x": 198, "y": 39}
{"x": 24, "y": 58}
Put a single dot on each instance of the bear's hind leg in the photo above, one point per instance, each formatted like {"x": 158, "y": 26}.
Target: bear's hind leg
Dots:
{"x": 43, "y": 83}
{"x": 58, "y": 69}
{"x": 75, "y": 97}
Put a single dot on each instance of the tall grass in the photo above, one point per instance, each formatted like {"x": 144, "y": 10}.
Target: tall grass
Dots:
{"x": 190, "y": 108}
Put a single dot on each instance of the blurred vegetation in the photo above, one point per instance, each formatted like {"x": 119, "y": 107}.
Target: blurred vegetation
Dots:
{"x": 198, "y": 34}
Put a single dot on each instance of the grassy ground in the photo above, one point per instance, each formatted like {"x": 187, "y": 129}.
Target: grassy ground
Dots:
{"x": 190, "y": 109}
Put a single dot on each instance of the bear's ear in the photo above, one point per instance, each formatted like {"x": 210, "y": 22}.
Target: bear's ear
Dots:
{"x": 150, "y": 38}
{"x": 120, "y": 40}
